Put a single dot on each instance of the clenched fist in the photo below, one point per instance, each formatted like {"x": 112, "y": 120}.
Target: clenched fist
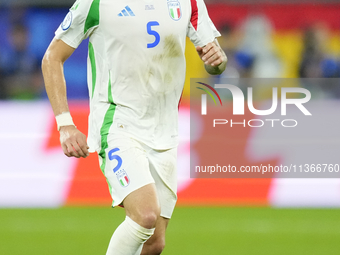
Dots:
{"x": 73, "y": 142}
{"x": 211, "y": 54}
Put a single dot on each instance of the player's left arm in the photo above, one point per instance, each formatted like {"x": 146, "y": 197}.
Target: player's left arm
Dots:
{"x": 214, "y": 58}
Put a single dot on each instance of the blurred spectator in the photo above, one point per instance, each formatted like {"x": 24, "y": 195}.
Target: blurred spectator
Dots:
{"x": 315, "y": 62}
{"x": 250, "y": 50}
{"x": 256, "y": 51}
{"x": 313, "y": 54}
{"x": 19, "y": 69}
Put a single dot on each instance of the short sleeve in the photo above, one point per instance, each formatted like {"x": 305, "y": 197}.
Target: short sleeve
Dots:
{"x": 201, "y": 30}
{"x": 79, "y": 23}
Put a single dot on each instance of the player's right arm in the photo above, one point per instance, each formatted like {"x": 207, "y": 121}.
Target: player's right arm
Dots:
{"x": 73, "y": 142}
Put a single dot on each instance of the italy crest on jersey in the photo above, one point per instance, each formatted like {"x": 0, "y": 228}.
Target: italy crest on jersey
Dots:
{"x": 175, "y": 9}
{"x": 123, "y": 178}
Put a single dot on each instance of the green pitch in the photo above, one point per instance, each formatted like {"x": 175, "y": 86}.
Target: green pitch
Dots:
{"x": 191, "y": 231}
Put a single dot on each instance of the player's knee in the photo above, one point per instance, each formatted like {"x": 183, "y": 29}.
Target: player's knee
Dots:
{"x": 147, "y": 219}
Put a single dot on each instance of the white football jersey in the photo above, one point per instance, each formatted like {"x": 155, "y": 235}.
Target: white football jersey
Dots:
{"x": 136, "y": 63}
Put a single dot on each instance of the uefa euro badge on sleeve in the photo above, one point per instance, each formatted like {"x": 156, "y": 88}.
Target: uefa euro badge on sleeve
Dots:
{"x": 67, "y": 21}
{"x": 175, "y": 10}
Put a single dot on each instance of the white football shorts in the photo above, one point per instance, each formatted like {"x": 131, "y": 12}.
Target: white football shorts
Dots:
{"x": 129, "y": 165}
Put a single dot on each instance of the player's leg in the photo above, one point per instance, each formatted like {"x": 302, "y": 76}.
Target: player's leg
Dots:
{"x": 126, "y": 168}
{"x": 156, "y": 242}
{"x": 163, "y": 170}
{"x": 142, "y": 206}
{"x": 142, "y": 210}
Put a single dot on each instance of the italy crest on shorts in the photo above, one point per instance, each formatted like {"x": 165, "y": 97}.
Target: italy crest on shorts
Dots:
{"x": 123, "y": 178}
{"x": 175, "y": 9}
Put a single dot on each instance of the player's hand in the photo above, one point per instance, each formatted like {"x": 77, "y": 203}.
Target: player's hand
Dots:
{"x": 73, "y": 142}
{"x": 211, "y": 54}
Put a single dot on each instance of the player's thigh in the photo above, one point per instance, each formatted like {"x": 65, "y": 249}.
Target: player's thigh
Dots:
{"x": 142, "y": 206}
{"x": 163, "y": 167}
{"x": 125, "y": 166}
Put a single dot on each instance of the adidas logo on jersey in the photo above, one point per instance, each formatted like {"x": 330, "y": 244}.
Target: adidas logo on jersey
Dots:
{"x": 126, "y": 12}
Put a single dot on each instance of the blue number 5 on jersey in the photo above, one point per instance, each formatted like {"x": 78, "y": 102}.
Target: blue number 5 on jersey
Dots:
{"x": 149, "y": 26}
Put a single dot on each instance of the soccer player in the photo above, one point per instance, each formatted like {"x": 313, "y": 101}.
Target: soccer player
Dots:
{"x": 136, "y": 69}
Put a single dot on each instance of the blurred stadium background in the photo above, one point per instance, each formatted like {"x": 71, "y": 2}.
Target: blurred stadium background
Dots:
{"x": 51, "y": 204}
